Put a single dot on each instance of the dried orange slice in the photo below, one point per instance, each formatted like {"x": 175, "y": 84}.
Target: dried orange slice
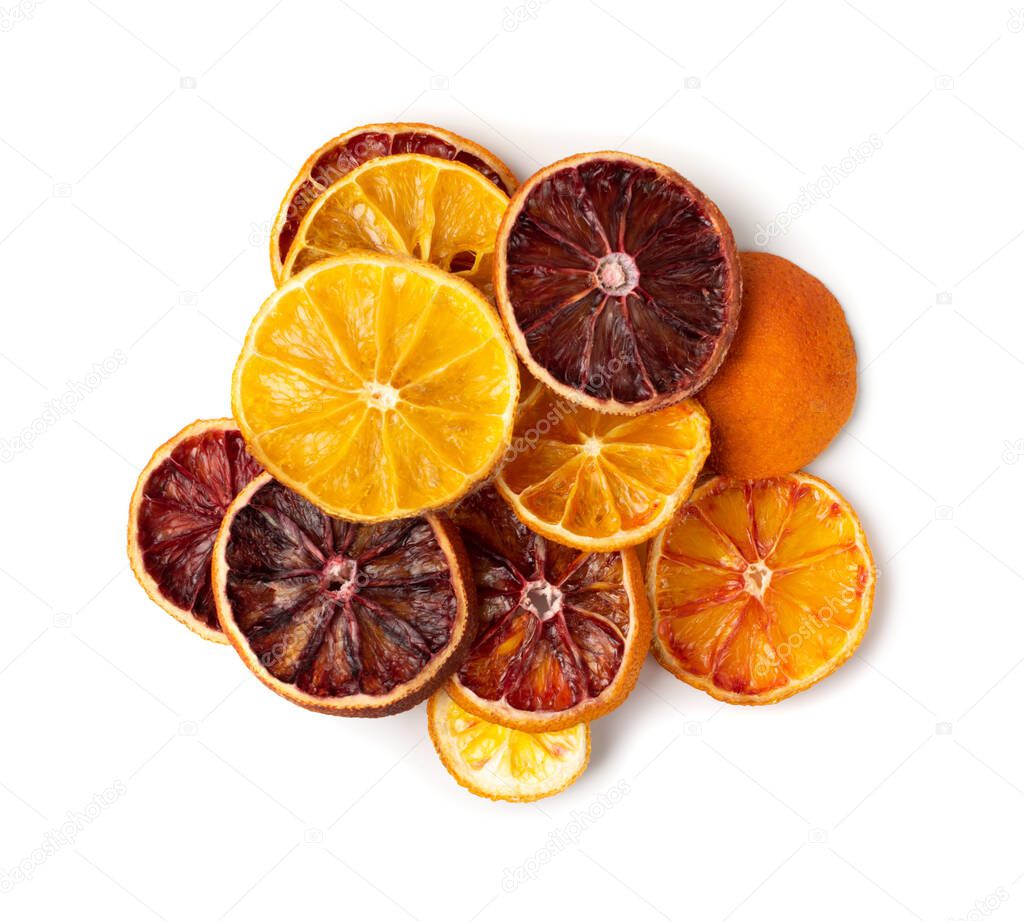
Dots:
{"x": 563, "y": 633}
{"x": 340, "y": 155}
{"x": 376, "y": 386}
{"x": 437, "y": 210}
{"x": 178, "y": 505}
{"x": 505, "y": 764}
{"x": 601, "y": 482}
{"x": 760, "y": 588}
{"x": 343, "y": 618}
{"x": 618, "y": 280}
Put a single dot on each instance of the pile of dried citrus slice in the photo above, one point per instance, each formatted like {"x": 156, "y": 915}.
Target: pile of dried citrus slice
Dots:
{"x": 391, "y": 515}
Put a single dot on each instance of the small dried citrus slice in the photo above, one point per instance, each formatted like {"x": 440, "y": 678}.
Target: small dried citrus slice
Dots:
{"x": 618, "y": 280}
{"x": 760, "y": 588}
{"x": 437, "y": 210}
{"x": 376, "y": 386}
{"x": 340, "y": 155}
{"x": 505, "y": 764}
{"x": 596, "y": 481}
{"x": 178, "y": 504}
{"x": 343, "y": 618}
{"x": 563, "y": 633}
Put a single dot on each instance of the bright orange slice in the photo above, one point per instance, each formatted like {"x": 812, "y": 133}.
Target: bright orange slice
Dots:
{"x": 506, "y": 764}
{"x": 436, "y": 210}
{"x": 760, "y": 587}
{"x": 601, "y": 482}
{"x": 344, "y": 153}
{"x": 376, "y": 386}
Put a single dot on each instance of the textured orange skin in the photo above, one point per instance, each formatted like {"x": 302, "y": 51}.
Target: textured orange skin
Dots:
{"x": 789, "y": 382}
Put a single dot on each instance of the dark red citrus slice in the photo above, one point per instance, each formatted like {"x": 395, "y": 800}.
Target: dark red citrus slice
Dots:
{"x": 343, "y": 618}
{"x": 563, "y": 633}
{"x": 344, "y": 153}
{"x": 176, "y": 510}
{"x": 618, "y": 280}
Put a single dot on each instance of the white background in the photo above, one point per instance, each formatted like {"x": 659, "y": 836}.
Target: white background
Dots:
{"x": 144, "y": 149}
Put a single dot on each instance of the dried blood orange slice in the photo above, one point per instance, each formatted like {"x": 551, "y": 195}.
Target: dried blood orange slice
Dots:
{"x": 563, "y": 633}
{"x": 618, "y": 280}
{"x": 176, "y": 509}
{"x": 601, "y": 482}
{"x": 376, "y": 386}
{"x": 340, "y": 155}
{"x": 436, "y": 210}
{"x": 505, "y": 764}
{"x": 343, "y": 618}
{"x": 760, "y": 587}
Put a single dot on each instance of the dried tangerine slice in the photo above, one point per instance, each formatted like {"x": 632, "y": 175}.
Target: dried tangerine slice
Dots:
{"x": 618, "y": 280}
{"x": 178, "y": 505}
{"x": 493, "y": 761}
{"x": 436, "y": 210}
{"x": 342, "y": 154}
{"x": 376, "y": 386}
{"x": 563, "y": 633}
{"x": 760, "y": 588}
{"x": 596, "y": 481}
{"x": 339, "y": 617}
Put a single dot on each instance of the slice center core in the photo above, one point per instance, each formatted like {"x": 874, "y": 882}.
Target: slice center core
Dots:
{"x": 616, "y": 274}
{"x": 756, "y": 579}
{"x": 380, "y": 396}
{"x": 339, "y": 577}
{"x": 542, "y": 599}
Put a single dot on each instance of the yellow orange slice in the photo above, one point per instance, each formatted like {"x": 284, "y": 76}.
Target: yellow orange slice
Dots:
{"x": 760, "y": 588}
{"x": 600, "y": 482}
{"x": 505, "y": 764}
{"x": 376, "y": 386}
{"x": 436, "y": 210}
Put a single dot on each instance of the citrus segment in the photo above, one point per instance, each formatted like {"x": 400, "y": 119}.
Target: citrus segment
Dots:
{"x": 505, "y": 764}
{"x": 344, "y": 618}
{"x": 342, "y": 154}
{"x": 597, "y": 481}
{"x": 376, "y": 386}
{"x": 176, "y": 509}
{"x": 437, "y": 210}
{"x": 563, "y": 633}
{"x": 618, "y": 280}
{"x": 760, "y": 588}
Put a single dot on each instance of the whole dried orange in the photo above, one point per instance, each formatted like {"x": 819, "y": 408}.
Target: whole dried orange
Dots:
{"x": 178, "y": 505}
{"x": 789, "y": 381}
{"x": 505, "y": 764}
{"x": 760, "y": 588}
{"x": 563, "y": 633}
{"x": 596, "y": 481}
{"x": 343, "y": 618}
{"x": 618, "y": 281}
{"x": 342, "y": 154}
{"x": 437, "y": 210}
{"x": 376, "y": 386}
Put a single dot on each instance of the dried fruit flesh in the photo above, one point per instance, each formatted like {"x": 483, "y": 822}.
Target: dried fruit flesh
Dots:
{"x": 563, "y": 633}
{"x": 340, "y": 155}
{"x": 344, "y": 618}
{"x": 436, "y": 210}
{"x": 376, "y": 386}
{"x": 505, "y": 764}
{"x": 597, "y": 481}
{"x": 760, "y": 588}
{"x": 176, "y": 509}
{"x": 789, "y": 381}
{"x": 618, "y": 280}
